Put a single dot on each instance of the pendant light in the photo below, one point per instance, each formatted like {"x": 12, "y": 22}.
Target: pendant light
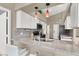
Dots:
{"x": 36, "y": 12}
{"x": 47, "y": 11}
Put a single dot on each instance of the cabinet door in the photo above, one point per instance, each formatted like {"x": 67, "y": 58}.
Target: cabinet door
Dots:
{"x": 74, "y": 15}
{"x": 55, "y": 31}
{"x": 68, "y": 23}
{"x": 25, "y": 20}
{"x": 33, "y": 23}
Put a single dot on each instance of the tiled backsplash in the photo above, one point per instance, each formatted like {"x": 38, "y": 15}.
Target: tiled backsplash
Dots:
{"x": 22, "y": 33}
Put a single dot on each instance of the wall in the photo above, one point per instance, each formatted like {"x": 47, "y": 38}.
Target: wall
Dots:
{"x": 13, "y": 23}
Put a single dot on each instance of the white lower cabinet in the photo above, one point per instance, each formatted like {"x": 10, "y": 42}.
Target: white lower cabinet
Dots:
{"x": 56, "y": 31}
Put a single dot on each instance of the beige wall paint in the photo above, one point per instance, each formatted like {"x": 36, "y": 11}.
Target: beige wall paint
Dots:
{"x": 21, "y": 5}
{"x": 8, "y": 5}
{"x": 13, "y": 23}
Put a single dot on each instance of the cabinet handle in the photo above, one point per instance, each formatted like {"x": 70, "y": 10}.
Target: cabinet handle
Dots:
{"x": 6, "y": 40}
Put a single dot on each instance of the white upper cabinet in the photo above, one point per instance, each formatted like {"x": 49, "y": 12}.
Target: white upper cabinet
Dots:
{"x": 74, "y": 13}
{"x": 78, "y": 14}
{"x": 68, "y": 23}
{"x": 24, "y": 20}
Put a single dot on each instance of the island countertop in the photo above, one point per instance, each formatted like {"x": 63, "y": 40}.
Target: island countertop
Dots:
{"x": 55, "y": 47}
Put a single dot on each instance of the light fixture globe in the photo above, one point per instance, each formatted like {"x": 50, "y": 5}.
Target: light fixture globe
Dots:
{"x": 47, "y": 13}
{"x": 37, "y": 11}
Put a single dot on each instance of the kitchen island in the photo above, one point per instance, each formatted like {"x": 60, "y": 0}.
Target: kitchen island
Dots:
{"x": 54, "y": 48}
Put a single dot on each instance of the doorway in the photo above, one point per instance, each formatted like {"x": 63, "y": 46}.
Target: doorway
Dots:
{"x": 5, "y": 29}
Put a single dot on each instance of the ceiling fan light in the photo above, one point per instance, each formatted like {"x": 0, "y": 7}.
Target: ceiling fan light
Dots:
{"x": 36, "y": 15}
